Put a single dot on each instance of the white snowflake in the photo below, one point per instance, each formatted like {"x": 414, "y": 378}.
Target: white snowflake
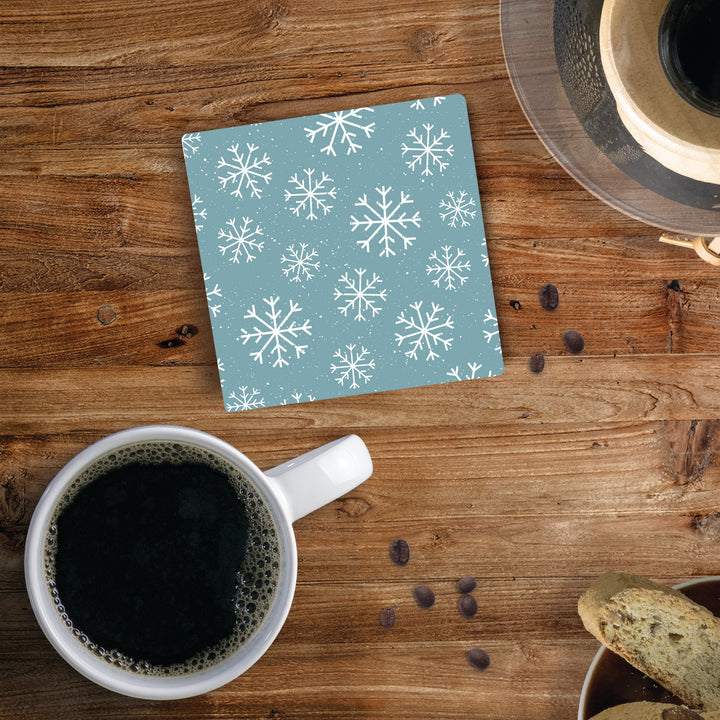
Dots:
{"x": 212, "y": 296}
{"x": 427, "y": 152}
{"x": 310, "y": 195}
{"x": 245, "y": 399}
{"x": 424, "y": 331}
{"x": 298, "y": 398}
{"x": 418, "y": 104}
{"x": 345, "y": 122}
{"x": 199, "y": 214}
{"x": 384, "y": 223}
{"x": 484, "y": 257}
{"x": 300, "y": 264}
{"x": 448, "y": 269}
{"x": 457, "y": 209}
{"x": 241, "y": 240}
{"x": 190, "y": 144}
{"x": 274, "y": 331}
{"x": 352, "y": 366}
{"x": 360, "y": 294}
{"x": 244, "y": 169}
{"x": 471, "y": 373}
{"x": 490, "y": 334}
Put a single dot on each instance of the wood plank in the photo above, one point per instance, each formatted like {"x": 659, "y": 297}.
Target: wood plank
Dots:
{"x": 430, "y": 680}
{"x": 208, "y": 32}
{"x": 570, "y": 390}
{"x": 162, "y": 289}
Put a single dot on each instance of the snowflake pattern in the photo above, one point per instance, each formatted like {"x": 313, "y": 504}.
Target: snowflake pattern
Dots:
{"x": 297, "y": 397}
{"x": 470, "y": 374}
{"x": 310, "y": 195}
{"x": 360, "y": 294}
{"x": 448, "y": 269}
{"x": 420, "y": 104}
{"x": 427, "y": 151}
{"x": 277, "y": 335}
{"x": 457, "y": 209}
{"x": 241, "y": 240}
{"x": 492, "y": 322}
{"x": 424, "y": 330}
{"x": 346, "y": 124}
{"x": 213, "y": 296}
{"x": 297, "y": 314}
{"x": 199, "y": 214}
{"x": 353, "y": 366}
{"x": 244, "y": 170}
{"x": 299, "y": 264}
{"x": 244, "y": 399}
{"x": 190, "y": 144}
{"x": 384, "y": 223}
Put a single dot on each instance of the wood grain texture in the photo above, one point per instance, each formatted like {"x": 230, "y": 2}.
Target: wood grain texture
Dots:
{"x": 533, "y": 483}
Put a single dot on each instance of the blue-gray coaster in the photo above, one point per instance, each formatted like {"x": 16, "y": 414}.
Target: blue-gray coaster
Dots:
{"x": 344, "y": 253}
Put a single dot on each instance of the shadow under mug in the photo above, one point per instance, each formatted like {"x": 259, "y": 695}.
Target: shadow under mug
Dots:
{"x": 290, "y": 491}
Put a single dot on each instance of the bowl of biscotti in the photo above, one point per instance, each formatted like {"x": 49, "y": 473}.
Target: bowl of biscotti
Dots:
{"x": 661, "y": 654}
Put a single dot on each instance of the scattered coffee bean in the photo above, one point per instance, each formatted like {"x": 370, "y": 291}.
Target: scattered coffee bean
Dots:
{"x": 387, "y": 617}
{"x": 400, "y": 551}
{"x": 573, "y": 341}
{"x": 424, "y": 595}
{"x": 549, "y": 296}
{"x": 537, "y": 363}
{"x": 515, "y": 305}
{"x": 478, "y": 658}
{"x": 468, "y": 606}
{"x": 466, "y": 584}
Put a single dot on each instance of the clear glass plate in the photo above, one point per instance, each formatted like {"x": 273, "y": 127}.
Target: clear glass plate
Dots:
{"x": 597, "y": 151}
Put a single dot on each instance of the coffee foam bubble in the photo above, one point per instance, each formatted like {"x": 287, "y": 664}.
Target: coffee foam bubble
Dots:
{"x": 257, "y": 579}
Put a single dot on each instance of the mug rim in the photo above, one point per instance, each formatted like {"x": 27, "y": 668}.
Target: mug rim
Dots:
{"x": 602, "y": 650}
{"x": 99, "y": 670}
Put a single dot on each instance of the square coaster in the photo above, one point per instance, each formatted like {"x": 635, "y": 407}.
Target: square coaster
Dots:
{"x": 344, "y": 253}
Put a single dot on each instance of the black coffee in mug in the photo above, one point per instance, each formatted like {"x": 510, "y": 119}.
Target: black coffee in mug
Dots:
{"x": 162, "y": 558}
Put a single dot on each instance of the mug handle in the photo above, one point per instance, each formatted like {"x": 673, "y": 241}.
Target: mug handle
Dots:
{"x": 320, "y": 476}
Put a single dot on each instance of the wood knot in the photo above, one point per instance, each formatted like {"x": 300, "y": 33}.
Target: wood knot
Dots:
{"x": 692, "y": 445}
{"x": 426, "y": 43}
{"x": 106, "y": 315}
{"x": 707, "y": 526}
{"x": 270, "y": 15}
{"x": 182, "y": 335}
{"x": 12, "y": 509}
{"x": 352, "y": 507}
{"x": 675, "y": 303}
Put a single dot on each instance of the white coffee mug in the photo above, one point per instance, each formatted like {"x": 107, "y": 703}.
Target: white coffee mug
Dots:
{"x": 290, "y": 491}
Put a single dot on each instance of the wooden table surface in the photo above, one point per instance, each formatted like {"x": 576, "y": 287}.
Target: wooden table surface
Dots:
{"x": 533, "y": 483}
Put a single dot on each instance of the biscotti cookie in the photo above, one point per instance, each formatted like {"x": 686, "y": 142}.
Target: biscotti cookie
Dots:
{"x": 661, "y": 632}
{"x": 653, "y": 711}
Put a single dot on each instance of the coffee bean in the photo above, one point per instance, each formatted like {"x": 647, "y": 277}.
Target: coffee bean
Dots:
{"x": 549, "y": 296}
{"x": 468, "y": 606}
{"x": 537, "y": 363}
{"x": 424, "y": 595}
{"x": 515, "y": 305}
{"x": 573, "y": 341}
{"x": 466, "y": 584}
{"x": 478, "y": 658}
{"x": 400, "y": 551}
{"x": 387, "y": 617}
